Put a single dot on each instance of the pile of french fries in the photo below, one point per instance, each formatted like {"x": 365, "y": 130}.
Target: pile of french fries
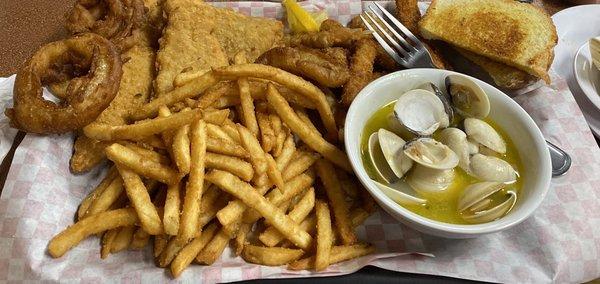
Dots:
{"x": 232, "y": 156}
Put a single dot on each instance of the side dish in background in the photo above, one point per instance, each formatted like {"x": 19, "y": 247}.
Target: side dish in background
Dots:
{"x": 595, "y": 51}
{"x": 511, "y": 41}
{"x": 437, "y": 154}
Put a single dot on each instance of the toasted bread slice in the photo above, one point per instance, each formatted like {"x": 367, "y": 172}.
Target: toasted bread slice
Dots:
{"x": 504, "y": 76}
{"x": 517, "y": 34}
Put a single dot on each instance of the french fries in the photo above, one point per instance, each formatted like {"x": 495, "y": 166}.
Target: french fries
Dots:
{"x": 312, "y": 139}
{"x": 221, "y": 156}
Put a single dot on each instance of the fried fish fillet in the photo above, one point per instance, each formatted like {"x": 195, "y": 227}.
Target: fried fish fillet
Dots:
{"x": 199, "y": 36}
{"x": 134, "y": 90}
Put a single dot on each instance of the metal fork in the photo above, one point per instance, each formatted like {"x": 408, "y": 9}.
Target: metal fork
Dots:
{"x": 404, "y": 47}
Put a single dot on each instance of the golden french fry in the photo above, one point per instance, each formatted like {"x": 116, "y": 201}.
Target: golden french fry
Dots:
{"x": 188, "y": 227}
{"x": 231, "y": 164}
{"x": 171, "y": 209}
{"x": 92, "y": 196}
{"x": 341, "y": 212}
{"x": 358, "y": 216}
{"x": 140, "y": 239}
{"x": 225, "y": 147}
{"x": 280, "y": 134}
{"x": 271, "y": 237}
{"x": 141, "y": 129}
{"x": 231, "y": 130}
{"x": 312, "y": 139}
{"x": 294, "y": 187}
{"x": 93, "y": 224}
{"x": 273, "y": 172}
{"x": 301, "y": 162}
{"x": 189, "y": 90}
{"x": 191, "y": 250}
{"x": 181, "y": 149}
{"x": 285, "y": 155}
{"x": 147, "y": 153}
{"x": 215, "y": 116}
{"x": 349, "y": 184}
{"x": 243, "y": 191}
{"x": 107, "y": 198}
{"x": 247, "y": 106}
{"x": 267, "y": 136}
{"x": 140, "y": 165}
{"x": 240, "y": 238}
{"x": 212, "y": 202}
{"x": 324, "y": 236}
{"x": 123, "y": 239}
{"x": 271, "y": 256}
{"x": 167, "y": 135}
{"x": 173, "y": 247}
{"x": 215, "y": 131}
{"x": 213, "y": 249}
{"x": 304, "y": 117}
{"x": 107, "y": 240}
{"x": 140, "y": 200}
{"x": 234, "y": 210}
{"x": 338, "y": 254}
{"x": 186, "y": 77}
{"x": 290, "y": 81}
{"x": 160, "y": 242}
{"x": 217, "y": 91}
{"x": 152, "y": 141}
{"x": 257, "y": 155}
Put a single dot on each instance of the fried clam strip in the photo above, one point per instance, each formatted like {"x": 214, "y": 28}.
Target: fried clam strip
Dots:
{"x": 312, "y": 139}
{"x": 361, "y": 69}
{"x": 93, "y": 224}
{"x": 343, "y": 37}
{"x": 273, "y": 256}
{"x": 292, "y": 82}
{"x": 308, "y": 63}
{"x": 244, "y": 191}
{"x": 338, "y": 254}
{"x": 189, "y": 90}
{"x": 383, "y": 60}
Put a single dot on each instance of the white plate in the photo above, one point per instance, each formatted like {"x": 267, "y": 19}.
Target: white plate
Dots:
{"x": 575, "y": 26}
{"x": 587, "y": 75}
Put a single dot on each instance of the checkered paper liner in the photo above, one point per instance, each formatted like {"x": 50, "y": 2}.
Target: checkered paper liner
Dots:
{"x": 559, "y": 243}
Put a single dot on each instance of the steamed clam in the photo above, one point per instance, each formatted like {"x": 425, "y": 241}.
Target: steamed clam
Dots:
{"x": 476, "y": 206}
{"x": 434, "y": 147}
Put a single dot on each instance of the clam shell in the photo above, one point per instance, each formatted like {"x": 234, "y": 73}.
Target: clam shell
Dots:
{"x": 456, "y": 140}
{"x": 488, "y": 168}
{"x": 392, "y": 147}
{"x": 421, "y": 112}
{"x": 493, "y": 213}
{"x": 481, "y": 132}
{"x": 468, "y": 98}
{"x": 401, "y": 193}
{"x": 423, "y": 179}
{"x": 431, "y": 153}
{"x": 477, "y": 192}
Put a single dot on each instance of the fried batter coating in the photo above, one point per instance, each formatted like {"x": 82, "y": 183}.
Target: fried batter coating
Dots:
{"x": 328, "y": 38}
{"x": 361, "y": 69}
{"x": 309, "y": 63}
{"x": 383, "y": 60}
{"x": 407, "y": 11}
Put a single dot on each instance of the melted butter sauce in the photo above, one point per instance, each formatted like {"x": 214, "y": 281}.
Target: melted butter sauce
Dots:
{"x": 442, "y": 206}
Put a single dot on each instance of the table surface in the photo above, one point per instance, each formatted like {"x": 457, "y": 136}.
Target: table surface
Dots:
{"x": 27, "y": 24}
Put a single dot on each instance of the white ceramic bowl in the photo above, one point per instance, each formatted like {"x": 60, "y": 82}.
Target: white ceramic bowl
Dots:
{"x": 587, "y": 75}
{"x": 504, "y": 111}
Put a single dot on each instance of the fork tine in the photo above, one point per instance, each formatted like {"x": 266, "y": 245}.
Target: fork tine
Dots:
{"x": 388, "y": 49}
{"x": 404, "y": 51}
{"x": 407, "y": 46}
{"x": 400, "y": 26}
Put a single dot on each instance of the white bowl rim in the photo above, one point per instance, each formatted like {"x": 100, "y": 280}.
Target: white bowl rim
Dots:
{"x": 448, "y": 228}
{"x": 584, "y": 85}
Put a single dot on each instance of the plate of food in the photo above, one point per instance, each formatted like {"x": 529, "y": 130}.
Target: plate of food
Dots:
{"x": 572, "y": 35}
{"x": 585, "y": 68}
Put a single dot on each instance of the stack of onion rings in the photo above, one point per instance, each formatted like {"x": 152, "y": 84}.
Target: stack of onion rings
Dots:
{"x": 86, "y": 96}
{"x": 119, "y": 21}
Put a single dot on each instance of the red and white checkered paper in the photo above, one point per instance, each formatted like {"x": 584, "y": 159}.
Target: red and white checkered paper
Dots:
{"x": 559, "y": 243}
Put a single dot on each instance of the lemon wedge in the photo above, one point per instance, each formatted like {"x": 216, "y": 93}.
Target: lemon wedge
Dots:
{"x": 301, "y": 20}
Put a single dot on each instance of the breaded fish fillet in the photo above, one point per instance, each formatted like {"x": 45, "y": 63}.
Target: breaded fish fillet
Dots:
{"x": 134, "y": 90}
{"x": 199, "y": 36}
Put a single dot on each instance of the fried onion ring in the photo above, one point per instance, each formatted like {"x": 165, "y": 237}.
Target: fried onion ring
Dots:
{"x": 119, "y": 21}
{"x": 309, "y": 63}
{"x": 87, "y": 96}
